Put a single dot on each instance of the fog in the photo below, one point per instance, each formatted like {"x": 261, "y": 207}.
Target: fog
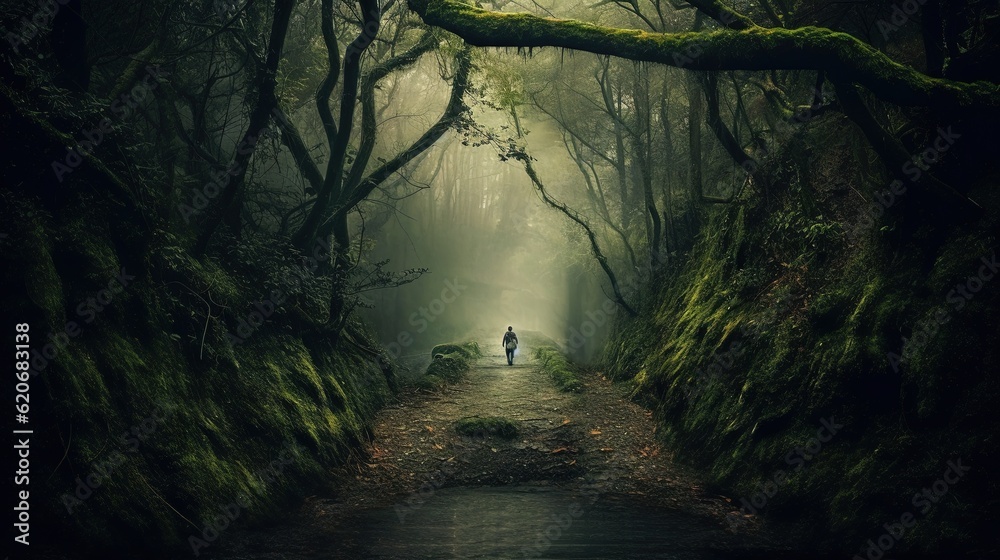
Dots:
{"x": 495, "y": 254}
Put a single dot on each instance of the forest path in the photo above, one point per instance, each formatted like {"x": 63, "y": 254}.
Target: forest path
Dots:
{"x": 584, "y": 478}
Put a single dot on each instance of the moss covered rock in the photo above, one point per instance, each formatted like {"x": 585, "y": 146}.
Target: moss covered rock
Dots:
{"x": 448, "y": 367}
{"x": 469, "y": 349}
{"x": 488, "y": 426}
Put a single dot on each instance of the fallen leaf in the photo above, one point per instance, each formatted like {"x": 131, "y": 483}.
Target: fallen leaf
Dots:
{"x": 438, "y": 446}
{"x": 559, "y": 450}
{"x": 429, "y": 428}
{"x": 595, "y": 432}
{"x": 606, "y": 449}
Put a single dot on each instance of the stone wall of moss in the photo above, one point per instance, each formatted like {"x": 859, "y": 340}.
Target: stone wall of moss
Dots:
{"x": 151, "y": 427}
{"x": 781, "y": 322}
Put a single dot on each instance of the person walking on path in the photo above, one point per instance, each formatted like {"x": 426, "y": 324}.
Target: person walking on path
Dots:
{"x": 510, "y": 344}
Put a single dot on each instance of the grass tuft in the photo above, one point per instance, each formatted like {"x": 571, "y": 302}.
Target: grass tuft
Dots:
{"x": 562, "y": 372}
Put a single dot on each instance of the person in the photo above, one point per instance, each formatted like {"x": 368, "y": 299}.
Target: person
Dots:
{"x": 510, "y": 344}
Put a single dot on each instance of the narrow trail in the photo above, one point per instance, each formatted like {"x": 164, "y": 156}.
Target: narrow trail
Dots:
{"x": 584, "y": 478}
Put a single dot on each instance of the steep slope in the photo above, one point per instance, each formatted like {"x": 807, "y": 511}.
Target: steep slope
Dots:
{"x": 780, "y": 367}
{"x": 170, "y": 397}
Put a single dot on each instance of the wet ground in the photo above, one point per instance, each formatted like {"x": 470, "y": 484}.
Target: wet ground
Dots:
{"x": 584, "y": 479}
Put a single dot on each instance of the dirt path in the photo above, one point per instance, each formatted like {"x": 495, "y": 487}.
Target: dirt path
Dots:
{"x": 595, "y": 442}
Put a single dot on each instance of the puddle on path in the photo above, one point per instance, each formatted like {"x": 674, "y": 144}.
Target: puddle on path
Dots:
{"x": 531, "y": 522}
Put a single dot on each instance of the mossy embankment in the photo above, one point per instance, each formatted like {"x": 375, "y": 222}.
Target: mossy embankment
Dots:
{"x": 790, "y": 313}
{"x": 161, "y": 406}
{"x": 558, "y": 367}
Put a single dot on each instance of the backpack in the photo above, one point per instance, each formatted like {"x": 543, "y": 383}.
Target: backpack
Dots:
{"x": 510, "y": 340}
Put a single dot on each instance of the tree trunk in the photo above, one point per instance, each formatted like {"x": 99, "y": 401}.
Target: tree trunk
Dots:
{"x": 265, "y": 85}
{"x": 339, "y": 139}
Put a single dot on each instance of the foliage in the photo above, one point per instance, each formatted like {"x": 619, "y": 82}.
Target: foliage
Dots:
{"x": 779, "y": 321}
{"x": 558, "y": 367}
{"x": 449, "y": 368}
{"x": 227, "y": 414}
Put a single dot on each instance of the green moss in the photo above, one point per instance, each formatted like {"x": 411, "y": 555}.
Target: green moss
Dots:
{"x": 558, "y": 368}
{"x": 755, "y": 48}
{"x": 488, "y": 426}
{"x": 448, "y": 367}
{"x": 816, "y": 321}
{"x": 470, "y": 349}
{"x": 224, "y": 417}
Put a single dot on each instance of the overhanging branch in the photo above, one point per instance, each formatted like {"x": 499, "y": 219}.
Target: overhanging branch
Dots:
{"x": 755, "y": 48}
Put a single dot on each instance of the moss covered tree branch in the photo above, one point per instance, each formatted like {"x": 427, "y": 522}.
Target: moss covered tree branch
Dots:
{"x": 754, "y": 48}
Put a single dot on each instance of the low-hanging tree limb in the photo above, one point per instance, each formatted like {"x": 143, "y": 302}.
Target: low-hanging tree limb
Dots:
{"x": 754, "y": 48}
{"x": 594, "y": 247}
{"x": 596, "y": 195}
{"x": 524, "y": 158}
